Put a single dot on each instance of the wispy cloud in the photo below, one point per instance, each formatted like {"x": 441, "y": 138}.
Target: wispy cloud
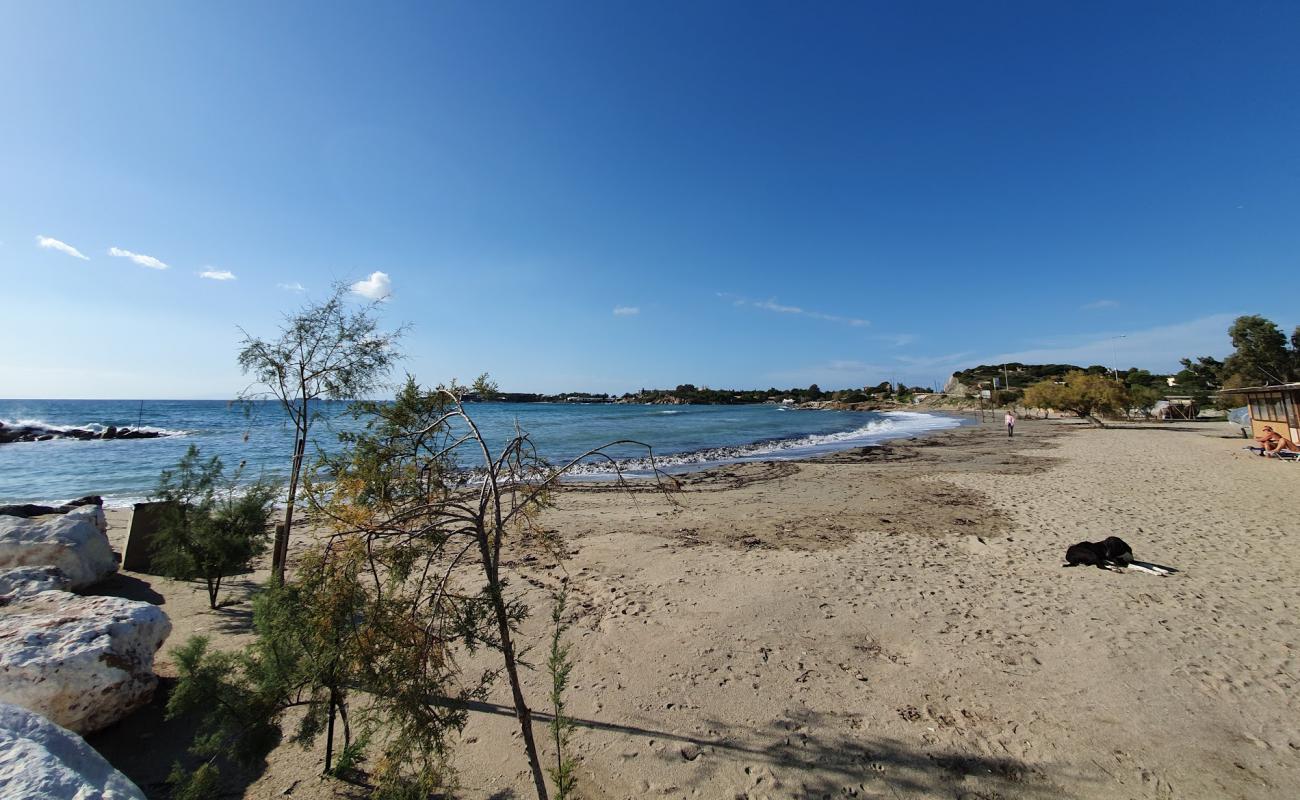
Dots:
{"x": 1098, "y": 305}
{"x": 377, "y": 287}
{"x": 928, "y": 371}
{"x": 139, "y": 258}
{"x": 292, "y": 287}
{"x": 780, "y": 308}
{"x": 1157, "y": 349}
{"x": 63, "y": 247}
{"x": 626, "y": 311}
{"x": 217, "y": 274}
{"x": 896, "y": 339}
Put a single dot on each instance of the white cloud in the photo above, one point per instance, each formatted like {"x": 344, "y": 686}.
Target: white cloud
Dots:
{"x": 773, "y": 305}
{"x": 292, "y": 287}
{"x": 139, "y": 258}
{"x": 217, "y": 274}
{"x": 626, "y": 311}
{"x": 1098, "y": 305}
{"x": 376, "y": 287}
{"x": 62, "y": 247}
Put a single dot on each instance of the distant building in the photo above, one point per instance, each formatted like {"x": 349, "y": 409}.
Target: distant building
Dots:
{"x": 1275, "y": 406}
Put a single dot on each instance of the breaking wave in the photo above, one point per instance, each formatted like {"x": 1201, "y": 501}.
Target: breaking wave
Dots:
{"x": 94, "y": 427}
{"x": 896, "y": 425}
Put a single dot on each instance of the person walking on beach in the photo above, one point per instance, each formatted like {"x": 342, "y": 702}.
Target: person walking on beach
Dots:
{"x": 1011, "y": 423}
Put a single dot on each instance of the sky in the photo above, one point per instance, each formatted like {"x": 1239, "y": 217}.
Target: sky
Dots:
{"x": 606, "y": 196}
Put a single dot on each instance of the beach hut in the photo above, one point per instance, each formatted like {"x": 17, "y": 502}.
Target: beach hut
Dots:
{"x": 1275, "y": 406}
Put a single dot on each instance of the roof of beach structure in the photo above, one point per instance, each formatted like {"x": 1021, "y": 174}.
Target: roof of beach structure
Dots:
{"x": 1277, "y": 387}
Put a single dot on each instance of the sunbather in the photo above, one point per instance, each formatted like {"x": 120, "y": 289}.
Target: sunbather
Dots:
{"x": 1272, "y": 442}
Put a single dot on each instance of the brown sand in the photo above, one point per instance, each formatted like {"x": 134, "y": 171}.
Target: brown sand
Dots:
{"x": 892, "y": 623}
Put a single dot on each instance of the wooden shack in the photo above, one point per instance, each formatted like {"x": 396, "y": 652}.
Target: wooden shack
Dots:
{"x": 1275, "y": 406}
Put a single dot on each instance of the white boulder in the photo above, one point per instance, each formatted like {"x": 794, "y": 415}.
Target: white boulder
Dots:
{"x": 30, "y": 580}
{"x": 82, "y": 662}
{"x": 39, "y": 761}
{"x": 75, "y": 542}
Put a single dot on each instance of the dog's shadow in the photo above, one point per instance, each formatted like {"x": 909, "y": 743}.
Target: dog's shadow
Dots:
{"x": 1151, "y": 566}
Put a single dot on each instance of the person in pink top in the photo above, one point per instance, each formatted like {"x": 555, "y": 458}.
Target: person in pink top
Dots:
{"x": 1011, "y": 424}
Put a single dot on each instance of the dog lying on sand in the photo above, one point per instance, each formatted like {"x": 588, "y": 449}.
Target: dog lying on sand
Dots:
{"x": 1112, "y": 553}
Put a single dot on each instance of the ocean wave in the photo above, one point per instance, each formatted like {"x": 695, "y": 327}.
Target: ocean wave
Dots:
{"x": 94, "y": 427}
{"x": 896, "y": 425}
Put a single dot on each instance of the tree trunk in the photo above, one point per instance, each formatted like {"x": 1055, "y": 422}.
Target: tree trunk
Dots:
{"x": 329, "y": 736}
{"x": 281, "y": 553}
{"x": 512, "y": 670}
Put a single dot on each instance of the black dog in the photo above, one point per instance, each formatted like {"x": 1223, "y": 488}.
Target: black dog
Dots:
{"x": 1109, "y": 552}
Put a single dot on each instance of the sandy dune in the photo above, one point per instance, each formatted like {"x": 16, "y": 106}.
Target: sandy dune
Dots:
{"x": 897, "y": 624}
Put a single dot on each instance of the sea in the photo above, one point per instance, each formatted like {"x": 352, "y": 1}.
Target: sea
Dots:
{"x": 259, "y": 438}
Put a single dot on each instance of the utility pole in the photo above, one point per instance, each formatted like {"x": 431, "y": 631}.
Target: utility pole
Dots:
{"x": 1114, "y": 353}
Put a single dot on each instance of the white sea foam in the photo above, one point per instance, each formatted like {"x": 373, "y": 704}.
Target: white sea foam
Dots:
{"x": 896, "y": 425}
{"x": 95, "y": 427}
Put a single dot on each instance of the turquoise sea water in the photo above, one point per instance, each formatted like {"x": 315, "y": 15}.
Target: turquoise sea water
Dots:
{"x": 684, "y": 437}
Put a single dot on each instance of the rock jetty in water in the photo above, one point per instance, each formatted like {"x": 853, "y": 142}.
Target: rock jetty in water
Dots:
{"x": 10, "y": 434}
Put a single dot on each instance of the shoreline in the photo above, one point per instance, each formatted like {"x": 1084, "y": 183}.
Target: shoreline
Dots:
{"x": 798, "y": 447}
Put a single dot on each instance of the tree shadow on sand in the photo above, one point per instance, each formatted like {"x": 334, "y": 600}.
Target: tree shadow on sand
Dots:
{"x": 809, "y": 754}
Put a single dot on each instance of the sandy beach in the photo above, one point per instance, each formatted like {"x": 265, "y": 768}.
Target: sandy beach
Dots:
{"x": 893, "y": 622}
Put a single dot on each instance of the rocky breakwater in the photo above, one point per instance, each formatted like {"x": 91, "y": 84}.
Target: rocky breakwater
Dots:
{"x": 76, "y": 542}
{"x": 81, "y": 661}
{"x": 10, "y": 434}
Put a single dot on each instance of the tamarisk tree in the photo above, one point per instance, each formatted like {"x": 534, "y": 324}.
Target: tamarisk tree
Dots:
{"x": 329, "y": 350}
{"x": 435, "y": 504}
{"x": 422, "y": 514}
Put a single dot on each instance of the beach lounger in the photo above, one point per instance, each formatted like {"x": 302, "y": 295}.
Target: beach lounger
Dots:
{"x": 1285, "y": 455}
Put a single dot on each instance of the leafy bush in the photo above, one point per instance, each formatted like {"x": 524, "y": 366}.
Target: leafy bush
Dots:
{"x": 210, "y": 528}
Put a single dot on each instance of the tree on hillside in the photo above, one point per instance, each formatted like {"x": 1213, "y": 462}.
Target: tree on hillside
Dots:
{"x": 328, "y": 350}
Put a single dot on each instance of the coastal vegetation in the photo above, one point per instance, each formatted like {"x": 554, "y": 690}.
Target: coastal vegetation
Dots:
{"x": 688, "y": 393}
{"x": 325, "y": 350}
{"x": 1262, "y": 355}
{"x": 210, "y": 527}
{"x": 372, "y": 634}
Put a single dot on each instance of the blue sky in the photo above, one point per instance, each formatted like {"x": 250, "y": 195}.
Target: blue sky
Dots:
{"x": 605, "y": 196}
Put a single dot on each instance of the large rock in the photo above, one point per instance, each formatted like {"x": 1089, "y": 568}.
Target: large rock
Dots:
{"x": 83, "y": 662}
{"x": 44, "y": 433}
{"x": 22, "y": 581}
{"x": 33, "y": 510}
{"x": 41, "y": 761}
{"x": 75, "y": 542}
